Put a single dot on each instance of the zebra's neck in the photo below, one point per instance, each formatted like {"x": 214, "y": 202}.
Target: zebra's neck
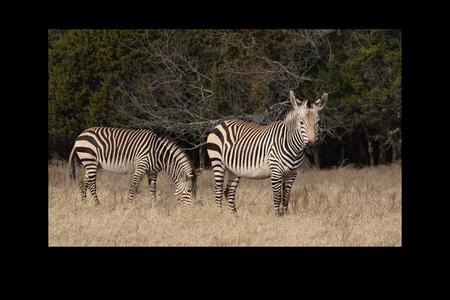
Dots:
{"x": 293, "y": 138}
{"x": 174, "y": 161}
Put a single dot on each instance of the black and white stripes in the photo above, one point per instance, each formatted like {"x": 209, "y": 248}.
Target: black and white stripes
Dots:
{"x": 274, "y": 150}
{"x": 141, "y": 151}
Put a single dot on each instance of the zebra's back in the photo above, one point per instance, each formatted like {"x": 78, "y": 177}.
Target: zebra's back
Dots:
{"x": 244, "y": 148}
{"x": 115, "y": 149}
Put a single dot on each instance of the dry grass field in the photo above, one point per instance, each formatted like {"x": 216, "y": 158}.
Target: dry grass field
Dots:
{"x": 341, "y": 207}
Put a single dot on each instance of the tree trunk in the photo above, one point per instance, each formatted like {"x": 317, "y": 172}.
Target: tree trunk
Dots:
{"x": 350, "y": 150}
{"x": 396, "y": 152}
{"x": 383, "y": 155}
{"x": 200, "y": 155}
{"x": 369, "y": 145}
{"x": 342, "y": 155}
{"x": 316, "y": 159}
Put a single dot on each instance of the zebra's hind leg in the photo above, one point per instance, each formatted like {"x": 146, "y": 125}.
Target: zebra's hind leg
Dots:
{"x": 152, "y": 184}
{"x": 93, "y": 188}
{"x": 92, "y": 183}
{"x": 219, "y": 173}
{"x": 230, "y": 191}
{"x": 83, "y": 186}
{"x": 136, "y": 180}
{"x": 287, "y": 185}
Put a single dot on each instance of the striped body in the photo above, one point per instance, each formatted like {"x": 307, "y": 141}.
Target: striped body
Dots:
{"x": 138, "y": 151}
{"x": 247, "y": 150}
{"x": 272, "y": 151}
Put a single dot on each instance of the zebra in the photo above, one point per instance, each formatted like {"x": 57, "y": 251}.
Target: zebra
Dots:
{"x": 122, "y": 150}
{"x": 274, "y": 150}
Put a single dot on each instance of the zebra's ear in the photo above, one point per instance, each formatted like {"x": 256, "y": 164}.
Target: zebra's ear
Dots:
{"x": 304, "y": 104}
{"x": 293, "y": 99}
{"x": 320, "y": 103}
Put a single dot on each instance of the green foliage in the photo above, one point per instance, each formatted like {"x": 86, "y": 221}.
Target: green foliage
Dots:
{"x": 84, "y": 67}
{"x": 365, "y": 79}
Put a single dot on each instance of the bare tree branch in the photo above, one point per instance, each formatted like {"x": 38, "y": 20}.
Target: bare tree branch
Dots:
{"x": 172, "y": 94}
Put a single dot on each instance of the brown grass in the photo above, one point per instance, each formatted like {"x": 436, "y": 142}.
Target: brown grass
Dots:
{"x": 342, "y": 207}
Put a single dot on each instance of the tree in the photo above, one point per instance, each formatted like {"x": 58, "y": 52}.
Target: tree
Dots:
{"x": 365, "y": 79}
{"x": 188, "y": 81}
{"x": 84, "y": 66}
{"x": 183, "y": 82}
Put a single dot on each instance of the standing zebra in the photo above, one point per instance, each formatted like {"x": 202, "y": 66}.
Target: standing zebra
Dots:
{"x": 121, "y": 150}
{"x": 274, "y": 150}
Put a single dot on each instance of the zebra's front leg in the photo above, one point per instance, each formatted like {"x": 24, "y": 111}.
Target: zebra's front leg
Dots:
{"x": 287, "y": 185}
{"x": 276, "y": 179}
{"x": 230, "y": 191}
{"x": 137, "y": 177}
{"x": 152, "y": 185}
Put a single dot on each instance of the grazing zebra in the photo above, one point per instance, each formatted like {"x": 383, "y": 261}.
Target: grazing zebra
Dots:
{"x": 122, "y": 150}
{"x": 275, "y": 150}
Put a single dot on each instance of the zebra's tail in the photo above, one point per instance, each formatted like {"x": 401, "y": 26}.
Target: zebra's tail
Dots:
{"x": 72, "y": 164}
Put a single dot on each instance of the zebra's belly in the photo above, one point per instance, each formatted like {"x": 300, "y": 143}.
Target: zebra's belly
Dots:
{"x": 260, "y": 172}
{"x": 121, "y": 168}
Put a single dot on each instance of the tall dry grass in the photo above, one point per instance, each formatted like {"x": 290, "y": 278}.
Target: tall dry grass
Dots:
{"x": 341, "y": 207}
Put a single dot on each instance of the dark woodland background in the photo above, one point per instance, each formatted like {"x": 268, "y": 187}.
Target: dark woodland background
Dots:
{"x": 182, "y": 82}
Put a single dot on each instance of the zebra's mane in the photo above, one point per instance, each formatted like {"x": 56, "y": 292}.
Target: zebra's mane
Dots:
{"x": 188, "y": 167}
{"x": 292, "y": 114}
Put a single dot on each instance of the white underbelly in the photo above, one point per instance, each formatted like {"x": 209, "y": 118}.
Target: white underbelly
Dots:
{"x": 260, "y": 172}
{"x": 118, "y": 168}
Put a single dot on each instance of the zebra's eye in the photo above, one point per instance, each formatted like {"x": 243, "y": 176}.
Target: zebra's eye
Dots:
{"x": 302, "y": 123}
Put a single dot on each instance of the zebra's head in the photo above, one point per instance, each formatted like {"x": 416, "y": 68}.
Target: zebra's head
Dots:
{"x": 186, "y": 187}
{"x": 307, "y": 119}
